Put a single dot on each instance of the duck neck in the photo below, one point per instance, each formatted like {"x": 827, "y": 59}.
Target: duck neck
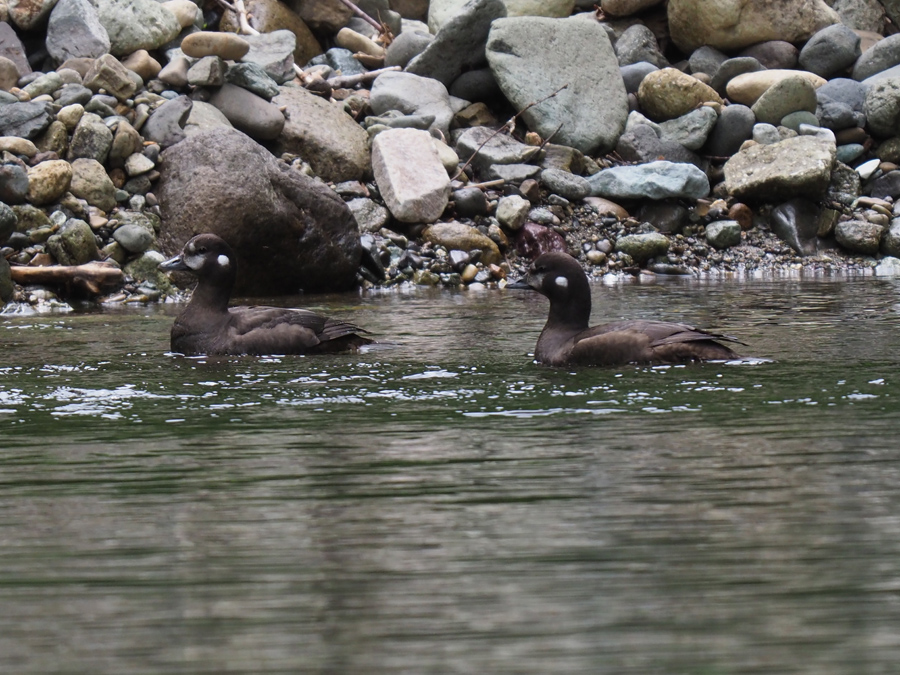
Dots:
{"x": 573, "y": 312}
{"x": 211, "y": 296}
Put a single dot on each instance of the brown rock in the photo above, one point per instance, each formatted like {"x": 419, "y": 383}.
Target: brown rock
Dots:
{"x": 335, "y": 145}
{"x": 456, "y": 235}
{"x": 742, "y": 214}
{"x": 270, "y": 15}
{"x": 227, "y": 46}
{"x": 668, "y": 93}
{"x": 736, "y": 24}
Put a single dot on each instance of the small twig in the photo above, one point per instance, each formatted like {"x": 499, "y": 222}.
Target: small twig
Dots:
{"x": 243, "y": 22}
{"x": 497, "y": 182}
{"x": 361, "y": 14}
{"x": 227, "y": 6}
{"x": 247, "y": 29}
{"x": 509, "y": 125}
{"x": 350, "y": 80}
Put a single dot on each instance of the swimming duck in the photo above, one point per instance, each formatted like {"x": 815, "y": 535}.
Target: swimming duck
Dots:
{"x": 209, "y": 326}
{"x": 567, "y": 340}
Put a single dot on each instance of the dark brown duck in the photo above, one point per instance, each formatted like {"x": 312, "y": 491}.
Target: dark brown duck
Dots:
{"x": 568, "y": 340}
{"x": 209, "y": 326}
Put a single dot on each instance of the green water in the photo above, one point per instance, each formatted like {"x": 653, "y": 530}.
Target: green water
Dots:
{"x": 442, "y": 505}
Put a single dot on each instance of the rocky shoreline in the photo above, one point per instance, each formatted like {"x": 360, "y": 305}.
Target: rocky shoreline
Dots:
{"x": 442, "y": 143}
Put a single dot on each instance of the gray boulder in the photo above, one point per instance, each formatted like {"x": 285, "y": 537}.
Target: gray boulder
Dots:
{"x": 796, "y": 222}
{"x": 412, "y": 95}
{"x": 322, "y": 133}
{"x": 531, "y": 57}
{"x": 25, "y": 120}
{"x": 75, "y": 31}
{"x": 289, "y": 231}
{"x": 830, "y": 51}
{"x": 859, "y": 236}
{"x": 459, "y": 44}
{"x": 136, "y": 24}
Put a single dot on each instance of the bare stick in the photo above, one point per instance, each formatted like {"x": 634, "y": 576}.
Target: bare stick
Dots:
{"x": 497, "y": 182}
{"x": 361, "y": 14}
{"x": 510, "y": 124}
{"x": 351, "y": 80}
{"x": 89, "y": 277}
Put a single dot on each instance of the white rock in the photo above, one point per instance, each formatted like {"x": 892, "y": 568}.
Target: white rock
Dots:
{"x": 410, "y": 176}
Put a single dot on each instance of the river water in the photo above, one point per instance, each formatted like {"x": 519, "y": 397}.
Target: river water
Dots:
{"x": 440, "y": 504}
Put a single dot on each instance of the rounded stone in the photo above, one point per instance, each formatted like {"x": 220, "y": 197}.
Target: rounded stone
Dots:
{"x": 668, "y": 93}
{"x": 642, "y": 247}
{"x": 723, "y": 233}
{"x": 227, "y": 46}
{"x": 747, "y": 88}
{"x": 134, "y": 238}
{"x": 565, "y": 184}
{"x": 48, "y": 181}
{"x": 859, "y": 236}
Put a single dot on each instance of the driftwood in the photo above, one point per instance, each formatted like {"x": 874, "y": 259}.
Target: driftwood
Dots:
{"x": 89, "y": 278}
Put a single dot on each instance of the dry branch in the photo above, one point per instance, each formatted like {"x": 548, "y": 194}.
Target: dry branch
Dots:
{"x": 90, "y": 277}
{"x": 510, "y": 126}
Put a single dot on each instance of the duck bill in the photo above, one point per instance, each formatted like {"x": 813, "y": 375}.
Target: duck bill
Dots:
{"x": 175, "y": 264}
{"x": 520, "y": 285}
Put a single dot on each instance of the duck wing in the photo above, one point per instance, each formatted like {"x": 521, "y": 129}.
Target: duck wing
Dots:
{"x": 648, "y": 342}
{"x": 279, "y": 330}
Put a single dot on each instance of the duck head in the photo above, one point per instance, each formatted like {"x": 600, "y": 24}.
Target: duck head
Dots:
{"x": 206, "y": 256}
{"x": 560, "y": 278}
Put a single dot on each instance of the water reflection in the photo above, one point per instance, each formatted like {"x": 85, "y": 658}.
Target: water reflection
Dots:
{"x": 443, "y": 505}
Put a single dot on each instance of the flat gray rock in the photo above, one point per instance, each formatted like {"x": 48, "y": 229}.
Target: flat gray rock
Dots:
{"x": 654, "y": 180}
{"x": 485, "y": 148}
{"x": 533, "y": 57}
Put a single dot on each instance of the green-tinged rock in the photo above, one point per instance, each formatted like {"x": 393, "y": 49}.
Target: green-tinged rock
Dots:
{"x": 146, "y": 268}
{"x": 75, "y": 244}
{"x": 642, "y": 247}
{"x": 723, "y": 233}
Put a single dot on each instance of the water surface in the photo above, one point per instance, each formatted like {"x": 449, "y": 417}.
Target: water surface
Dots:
{"x": 440, "y": 504}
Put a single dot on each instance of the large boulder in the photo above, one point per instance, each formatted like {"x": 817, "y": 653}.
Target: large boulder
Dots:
{"x": 289, "y": 231}
{"x": 533, "y": 57}
{"x": 795, "y": 167}
{"x": 459, "y": 46}
{"x": 324, "y": 135}
{"x": 136, "y": 24}
{"x": 735, "y": 24}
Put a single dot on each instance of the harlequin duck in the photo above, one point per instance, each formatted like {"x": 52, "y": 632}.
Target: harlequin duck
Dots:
{"x": 209, "y": 326}
{"x": 567, "y": 340}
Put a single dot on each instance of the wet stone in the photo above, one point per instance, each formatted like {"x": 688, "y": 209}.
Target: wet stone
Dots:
{"x": 723, "y": 233}
{"x": 642, "y": 247}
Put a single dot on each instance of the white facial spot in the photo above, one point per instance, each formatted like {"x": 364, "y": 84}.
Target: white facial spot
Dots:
{"x": 195, "y": 262}
{"x": 223, "y": 261}
{"x": 562, "y": 282}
